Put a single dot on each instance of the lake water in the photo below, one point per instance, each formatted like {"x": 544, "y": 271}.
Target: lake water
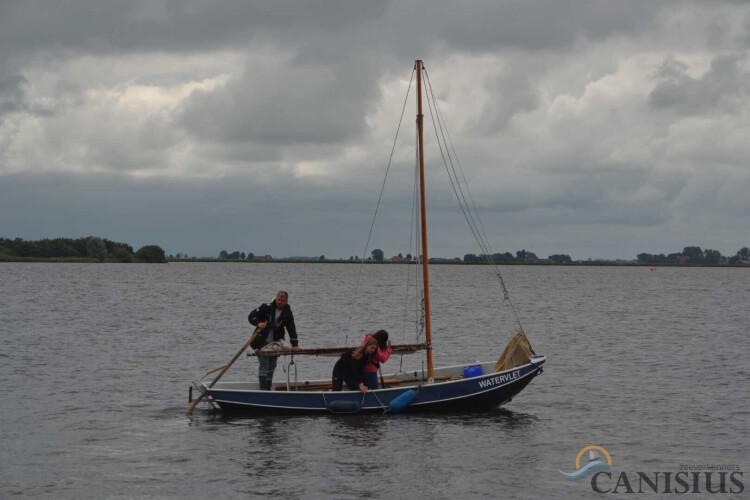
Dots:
{"x": 650, "y": 365}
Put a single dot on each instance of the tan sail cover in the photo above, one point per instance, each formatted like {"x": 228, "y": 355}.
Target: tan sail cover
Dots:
{"x": 517, "y": 352}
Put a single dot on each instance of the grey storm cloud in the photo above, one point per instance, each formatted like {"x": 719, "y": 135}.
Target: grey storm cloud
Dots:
{"x": 11, "y": 94}
{"x": 168, "y": 25}
{"x": 720, "y": 90}
{"x": 187, "y": 123}
{"x": 282, "y": 105}
{"x": 553, "y": 25}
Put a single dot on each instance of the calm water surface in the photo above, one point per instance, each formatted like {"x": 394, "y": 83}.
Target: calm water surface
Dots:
{"x": 651, "y": 365}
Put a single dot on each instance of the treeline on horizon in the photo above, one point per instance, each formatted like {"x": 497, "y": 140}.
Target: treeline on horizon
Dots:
{"x": 695, "y": 255}
{"x": 92, "y": 248}
{"x": 87, "y": 248}
{"x": 692, "y": 255}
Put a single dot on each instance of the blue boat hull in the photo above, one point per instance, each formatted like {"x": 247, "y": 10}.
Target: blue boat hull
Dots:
{"x": 469, "y": 394}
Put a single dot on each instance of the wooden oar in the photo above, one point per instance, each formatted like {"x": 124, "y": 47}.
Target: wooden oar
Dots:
{"x": 223, "y": 371}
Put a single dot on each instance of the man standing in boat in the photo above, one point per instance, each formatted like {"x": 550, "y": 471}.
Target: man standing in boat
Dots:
{"x": 272, "y": 320}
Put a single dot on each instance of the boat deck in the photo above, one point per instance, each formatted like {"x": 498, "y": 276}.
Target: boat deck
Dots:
{"x": 392, "y": 380}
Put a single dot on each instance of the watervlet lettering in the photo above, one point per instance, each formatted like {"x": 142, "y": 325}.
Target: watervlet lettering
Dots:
{"x": 500, "y": 379}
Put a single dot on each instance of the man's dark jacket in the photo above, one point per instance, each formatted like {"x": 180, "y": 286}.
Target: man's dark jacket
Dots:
{"x": 282, "y": 323}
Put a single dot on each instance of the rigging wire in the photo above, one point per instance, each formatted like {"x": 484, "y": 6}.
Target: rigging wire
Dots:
{"x": 377, "y": 207}
{"x": 414, "y": 240}
{"x": 467, "y": 205}
{"x": 419, "y": 309}
{"x": 480, "y": 236}
{"x": 408, "y": 267}
{"x": 476, "y": 226}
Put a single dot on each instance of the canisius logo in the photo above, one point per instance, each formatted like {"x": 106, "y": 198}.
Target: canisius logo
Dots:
{"x": 595, "y": 462}
{"x": 598, "y": 460}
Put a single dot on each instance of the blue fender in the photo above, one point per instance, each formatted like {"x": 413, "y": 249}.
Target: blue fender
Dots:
{"x": 399, "y": 403}
{"x": 344, "y": 406}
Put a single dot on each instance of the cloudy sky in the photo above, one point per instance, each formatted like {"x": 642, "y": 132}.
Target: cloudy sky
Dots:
{"x": 598, "y": 129}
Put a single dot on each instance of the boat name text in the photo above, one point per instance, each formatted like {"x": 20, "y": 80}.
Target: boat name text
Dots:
{"x": 500, "y": 379}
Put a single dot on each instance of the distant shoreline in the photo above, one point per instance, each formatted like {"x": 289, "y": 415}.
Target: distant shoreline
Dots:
{"x": 87, "y": 249}
{"x": 592, "y": 263}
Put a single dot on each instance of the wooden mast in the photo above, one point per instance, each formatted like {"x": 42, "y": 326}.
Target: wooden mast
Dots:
{"x": 425, "y": 258}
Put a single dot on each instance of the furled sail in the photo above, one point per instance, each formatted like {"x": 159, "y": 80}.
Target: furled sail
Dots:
{"x": 518, "y": 352}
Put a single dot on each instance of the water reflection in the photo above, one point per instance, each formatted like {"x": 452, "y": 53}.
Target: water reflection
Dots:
{"x": 356, "y": 426}
{"x": 501, "y": 417}
{"x": 266, "y": 437}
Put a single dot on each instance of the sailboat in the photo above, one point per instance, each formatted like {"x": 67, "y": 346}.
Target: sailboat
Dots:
{"x": 472, "y": 386}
